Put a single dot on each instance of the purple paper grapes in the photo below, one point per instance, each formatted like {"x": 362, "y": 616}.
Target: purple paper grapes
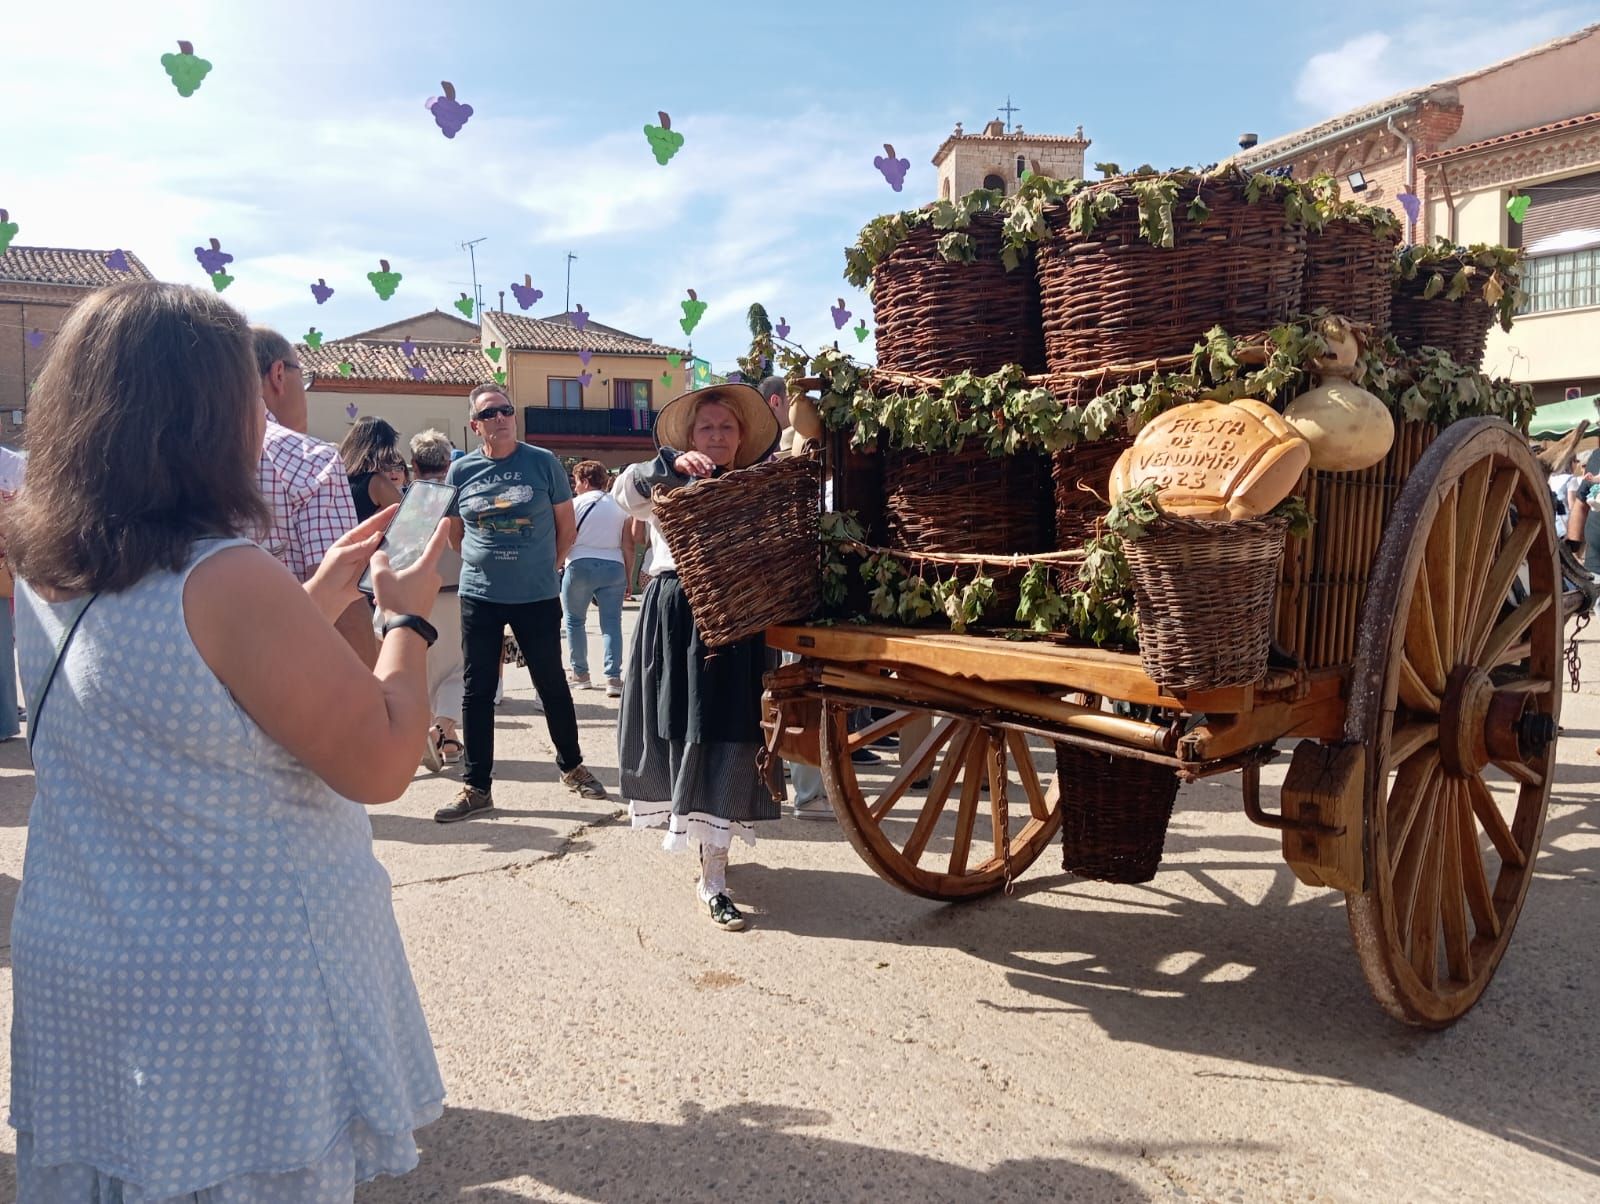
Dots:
{"x": 117, "y": 261}
{"x": 894, "y": 170}
{"x": 782, "y": 328}
{"x": 418, "y": 371}
{"x": 213, "y": 260}
{"x": 449, "y": 113}
{"x": 321, "y": 291}
{"x": 525, "y": 293}
{"x": 580, "y": 319}
{"x": 841, "y": 315}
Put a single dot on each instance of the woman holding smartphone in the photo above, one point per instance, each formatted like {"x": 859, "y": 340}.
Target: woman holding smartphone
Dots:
{"x": 211, "y": 998}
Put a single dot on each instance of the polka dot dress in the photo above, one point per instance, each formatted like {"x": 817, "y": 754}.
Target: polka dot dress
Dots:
{"x": 211, "y": 995}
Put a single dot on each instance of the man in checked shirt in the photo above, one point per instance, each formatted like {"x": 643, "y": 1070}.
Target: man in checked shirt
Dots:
{"x": 304, "y": 482}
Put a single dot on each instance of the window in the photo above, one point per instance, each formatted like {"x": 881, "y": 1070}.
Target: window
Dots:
{"x": 1569, "y": 281}
{"x": 632, "y": 396}
{"x": 1022, "y": 166}
{"x": 565, "y": 393}
{"x": 993, "y": 181}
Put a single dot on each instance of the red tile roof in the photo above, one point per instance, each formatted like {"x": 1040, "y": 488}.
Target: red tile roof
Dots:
{"x": 1553, "y": 127}
{"x": 558, "y": 334}
{"x": 382, "y": 360}
{"x": 58, "y": 265}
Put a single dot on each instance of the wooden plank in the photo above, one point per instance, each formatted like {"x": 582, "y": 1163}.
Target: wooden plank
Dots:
{"x": 1320, "y": 714}
{"x": 1117, "y": 675}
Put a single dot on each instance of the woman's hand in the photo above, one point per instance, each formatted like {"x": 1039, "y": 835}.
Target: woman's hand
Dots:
{"x": 333, "y": 586}
{"x": 695, "y": 464}
{"x": 412, "y": 590}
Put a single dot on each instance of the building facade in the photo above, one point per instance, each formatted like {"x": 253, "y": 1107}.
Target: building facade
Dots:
{"x": 603, "y": 409}
{"x": 996, "y": 158}
{"x": 38, "y": 288}
{"x": 1465, "y": 147}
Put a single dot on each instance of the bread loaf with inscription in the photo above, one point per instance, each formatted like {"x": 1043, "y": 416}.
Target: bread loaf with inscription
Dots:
{"x": 1216, "y": 460}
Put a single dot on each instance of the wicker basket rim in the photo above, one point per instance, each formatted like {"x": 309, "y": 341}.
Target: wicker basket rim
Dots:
{"x": 1177, "y": 524}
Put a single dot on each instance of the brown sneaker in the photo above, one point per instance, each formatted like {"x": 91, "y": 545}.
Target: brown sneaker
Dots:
{"x": 470, "y": 802}
{"x": 583, "y": 783}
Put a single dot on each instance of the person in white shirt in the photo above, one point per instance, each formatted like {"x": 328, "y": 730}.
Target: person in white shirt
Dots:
{"x": 596, "y": 570}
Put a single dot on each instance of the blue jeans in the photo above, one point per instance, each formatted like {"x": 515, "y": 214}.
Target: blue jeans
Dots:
{"x": 604, "y": 581}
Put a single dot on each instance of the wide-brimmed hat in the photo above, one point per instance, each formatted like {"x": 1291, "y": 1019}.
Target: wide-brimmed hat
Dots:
{"x": 674, "y": 422}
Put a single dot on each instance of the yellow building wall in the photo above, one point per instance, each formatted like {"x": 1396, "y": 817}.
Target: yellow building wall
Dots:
{"x": 409, "y": 413}
{"x": 530, "y": 373}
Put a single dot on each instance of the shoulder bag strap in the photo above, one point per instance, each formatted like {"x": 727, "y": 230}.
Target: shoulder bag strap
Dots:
{"x": 37, "y": 697}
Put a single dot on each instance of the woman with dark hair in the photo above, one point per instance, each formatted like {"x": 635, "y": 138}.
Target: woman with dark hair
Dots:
{"x": 596, "y": 571}
{"x": 375, "y": 465}
{"x": 211, "y": 997}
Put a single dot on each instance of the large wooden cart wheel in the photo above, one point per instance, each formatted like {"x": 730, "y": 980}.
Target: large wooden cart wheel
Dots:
{"x": 1456, "y": 677}
{"x": 958, "y": 815}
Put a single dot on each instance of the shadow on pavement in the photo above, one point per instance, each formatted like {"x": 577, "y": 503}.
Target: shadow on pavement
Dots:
{"x": 1270, "y": 981}
{"x": 740, "y": 1152}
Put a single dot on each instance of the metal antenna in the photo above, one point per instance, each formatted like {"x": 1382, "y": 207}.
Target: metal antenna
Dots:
{"x": 570, "y": 258}
{"x": 470, "y": 247}
{"x": 1008, "y": 109}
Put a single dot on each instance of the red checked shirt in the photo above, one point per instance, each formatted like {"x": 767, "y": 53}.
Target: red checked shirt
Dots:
{"x": 303, "y": 480}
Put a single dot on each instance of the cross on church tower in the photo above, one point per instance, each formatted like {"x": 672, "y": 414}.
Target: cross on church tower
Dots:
{"x": 1008, "y": 109}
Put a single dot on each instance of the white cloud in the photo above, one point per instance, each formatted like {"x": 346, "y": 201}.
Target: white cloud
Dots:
{"x": 1439, "y": 43}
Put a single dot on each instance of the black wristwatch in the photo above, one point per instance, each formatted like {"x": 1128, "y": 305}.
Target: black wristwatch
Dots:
{"x": 416, "y": 623}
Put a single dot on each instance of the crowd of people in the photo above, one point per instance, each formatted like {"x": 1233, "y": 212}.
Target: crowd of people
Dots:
{"x": 211, "y": 997}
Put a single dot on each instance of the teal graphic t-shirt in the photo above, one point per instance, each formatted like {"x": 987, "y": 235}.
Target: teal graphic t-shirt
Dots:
{"x": 508, "y": 547}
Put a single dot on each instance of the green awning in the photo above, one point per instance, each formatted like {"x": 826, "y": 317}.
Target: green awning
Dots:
{"x": 1559, "y": 418}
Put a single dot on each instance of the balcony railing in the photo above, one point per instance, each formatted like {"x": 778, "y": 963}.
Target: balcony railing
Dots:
{"x": 540, "y": 420}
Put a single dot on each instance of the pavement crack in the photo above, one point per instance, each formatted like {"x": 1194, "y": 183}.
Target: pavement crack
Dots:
{"x": 570, "y": 843}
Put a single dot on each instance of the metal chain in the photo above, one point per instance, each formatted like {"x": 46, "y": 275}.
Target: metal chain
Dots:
{"x": 1574, "y": 661}
{"x": 1004, "y": 818}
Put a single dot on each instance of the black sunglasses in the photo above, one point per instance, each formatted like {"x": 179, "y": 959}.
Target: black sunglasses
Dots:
{"x": 500, "y": 411}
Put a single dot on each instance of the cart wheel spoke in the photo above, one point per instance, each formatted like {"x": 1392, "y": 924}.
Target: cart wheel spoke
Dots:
{"x": 1414, "y": 691}
{"x": 955, "y": 758}
{"x": 1440, "y": 560}
{"x": 1410, "y": 739}
{"x": 1452, "y": 889}
{"x": 1494, "y": 589}
{"x": 1424, "y": 926}
{"x": 967, "y": 817}
{"x": 1490, "y": 524}
{"x": 1470, "y": 530}
{"x": 1485, "y": 920}
{"x": 915, "y": 768}
{"x": 1410, "y": 856}
{"x": 1423, "y": 651}
{"x": 1510, "y": 629}
{"x": 1022, "y": 758}
{"x": 879, "y": 728}
{"x": 1412, "y": 785}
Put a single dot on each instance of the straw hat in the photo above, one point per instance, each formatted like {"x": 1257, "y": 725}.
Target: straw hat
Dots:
{"x": 674, "y": 423}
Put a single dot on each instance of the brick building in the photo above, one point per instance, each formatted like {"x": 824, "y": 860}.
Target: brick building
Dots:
{"x": 38, "y": 286}
{"x": 1529, "y": 125}
{"x": 997, "y": 158}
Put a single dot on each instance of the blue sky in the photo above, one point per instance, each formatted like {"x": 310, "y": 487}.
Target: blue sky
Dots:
{"x": 308, "y": 151}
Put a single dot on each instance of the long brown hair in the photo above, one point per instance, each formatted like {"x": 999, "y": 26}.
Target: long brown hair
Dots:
{"x": 371, "y": 445}
{"x": 143, "y": 437}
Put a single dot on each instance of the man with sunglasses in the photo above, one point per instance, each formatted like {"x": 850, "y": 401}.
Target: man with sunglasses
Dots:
{"x": 512, "y": 519}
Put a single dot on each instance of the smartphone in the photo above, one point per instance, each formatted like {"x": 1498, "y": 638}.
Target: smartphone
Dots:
{"x": 412, "y": 526}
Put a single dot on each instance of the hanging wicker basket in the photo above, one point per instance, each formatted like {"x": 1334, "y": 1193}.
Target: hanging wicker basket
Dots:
{"x": 969, "y": 503}
{"x": 937, "y": 318}
{"x": 1204, "y": 592}
{"x": 1350, "y": 270}
{"x": 747, "y": 546}
{"x": 1459, "y": 327}
{"x": 1114, "y": 814}
{"x": 1110, "y": 297}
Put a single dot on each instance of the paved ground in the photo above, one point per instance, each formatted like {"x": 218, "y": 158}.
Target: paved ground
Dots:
{"x": 1207, "y": 1036}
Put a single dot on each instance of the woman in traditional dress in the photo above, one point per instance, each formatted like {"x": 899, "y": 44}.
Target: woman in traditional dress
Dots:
{"x": 690, "y": 729}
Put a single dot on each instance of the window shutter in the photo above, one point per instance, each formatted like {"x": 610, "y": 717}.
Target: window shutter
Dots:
{"x": 1560, "y": 207}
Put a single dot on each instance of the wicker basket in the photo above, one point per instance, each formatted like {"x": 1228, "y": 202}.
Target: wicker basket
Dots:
{"x": 936, "y": 318}
{"x": 1460, "y": 327}
{"x": 1082, "y": 476}
{"x": 969, "y": 503}
{"x": 1109, "y": 297}
{"x": 1350, "y": 271}
{"x": 747, "y": 547}
{"x": 1114, "y": 814}
{"x": 1204, "y": 593}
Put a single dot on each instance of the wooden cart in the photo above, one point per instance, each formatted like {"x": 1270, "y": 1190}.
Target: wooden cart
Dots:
{"x": 1425, "y": 751}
